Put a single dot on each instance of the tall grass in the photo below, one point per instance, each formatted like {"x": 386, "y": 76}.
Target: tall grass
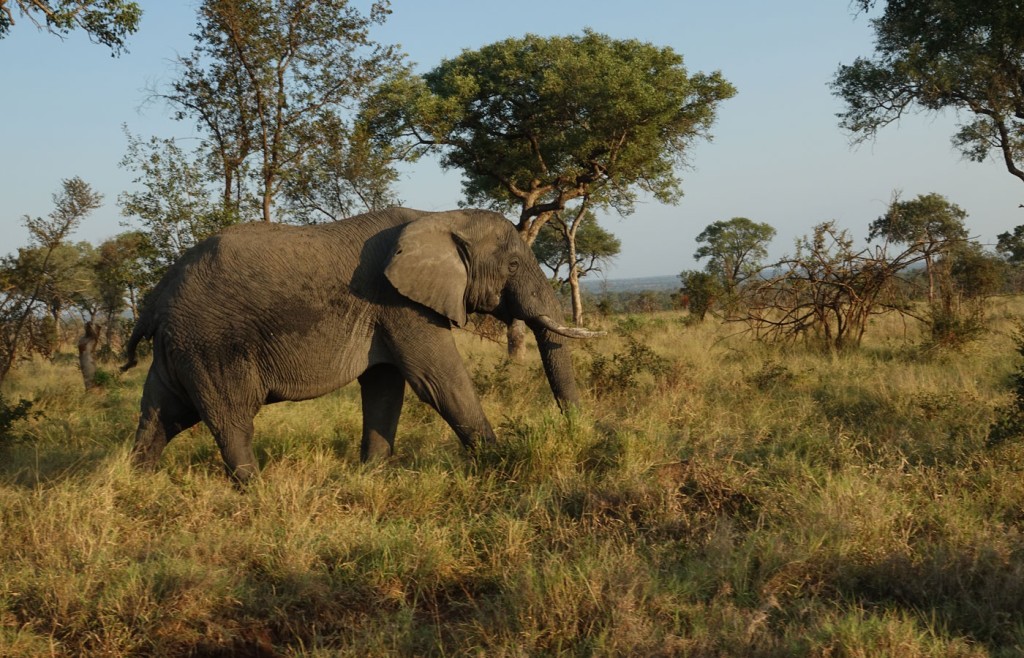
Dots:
{"x": 715, "y": 497}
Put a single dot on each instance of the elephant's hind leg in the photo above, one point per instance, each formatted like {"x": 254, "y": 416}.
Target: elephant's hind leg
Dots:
{"x": 382, "y": 389}
{"x": 164, "y": 415}
{"x": 234, "y": 439}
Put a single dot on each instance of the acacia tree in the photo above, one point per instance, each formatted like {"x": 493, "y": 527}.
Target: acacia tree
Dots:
{"x": 734, "y": 249}
{"x": 935, "y": 55}
{"x": 107, "y": 22}
{"x": 929, "y": 224}
{"x": 271, "y": 80}
{"x": 536, "y": 122}
{"x": 579, "y": 244}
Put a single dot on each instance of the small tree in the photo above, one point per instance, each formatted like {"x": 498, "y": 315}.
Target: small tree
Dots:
{"x": 976, "y": 272}
{"x": 174, "y": 205}
{"x": 734, "y": 249}
{"x": 827, "y": 291}
{"x": 122, "y": 277}
{"x": 1011, "y": 245}
{"x": 700, "y": 291}
{"x": 270, "y": 83}
{"x": 929, "y": 225}
{"x": 66, "y": 281}
{"x": 22, "y": 289}
{"x": 580, "y": 245}
{"x": 969, "y": 276}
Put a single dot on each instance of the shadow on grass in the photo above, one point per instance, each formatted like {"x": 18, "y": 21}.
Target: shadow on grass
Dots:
{"x": 971, "y": 591}
{"x": 29, "y": 465}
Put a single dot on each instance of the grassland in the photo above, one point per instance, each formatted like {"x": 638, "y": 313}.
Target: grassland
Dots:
{"x": 715, "y": 497}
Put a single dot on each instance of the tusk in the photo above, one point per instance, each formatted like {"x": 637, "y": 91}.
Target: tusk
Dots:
{"x": 568, "y": 332}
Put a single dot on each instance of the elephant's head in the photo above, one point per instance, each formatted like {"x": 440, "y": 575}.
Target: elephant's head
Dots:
{"x": 474, "y": 261}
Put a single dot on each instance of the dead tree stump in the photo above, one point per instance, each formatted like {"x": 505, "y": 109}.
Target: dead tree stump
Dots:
{"x": 86, "y": 358}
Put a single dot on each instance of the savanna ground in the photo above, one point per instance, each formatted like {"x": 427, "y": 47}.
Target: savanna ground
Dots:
{"x": 715, "y": 497}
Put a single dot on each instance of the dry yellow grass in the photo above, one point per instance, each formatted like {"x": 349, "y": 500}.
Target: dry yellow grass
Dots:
{"x": 715, "y": 497}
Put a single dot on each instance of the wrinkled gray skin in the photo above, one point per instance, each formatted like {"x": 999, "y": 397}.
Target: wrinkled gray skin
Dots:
{"x": 262, "y": 313}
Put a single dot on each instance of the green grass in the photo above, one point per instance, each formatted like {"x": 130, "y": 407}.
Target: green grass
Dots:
{"x": 715, "y": 497}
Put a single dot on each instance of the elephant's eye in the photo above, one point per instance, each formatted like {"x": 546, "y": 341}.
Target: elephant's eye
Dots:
{"x": 513, "y": 266}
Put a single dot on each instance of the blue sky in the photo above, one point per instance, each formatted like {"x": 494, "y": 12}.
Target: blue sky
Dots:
{"x": 777, "y": 156}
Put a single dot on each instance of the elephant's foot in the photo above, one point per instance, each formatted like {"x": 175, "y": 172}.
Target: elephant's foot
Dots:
{"x": 375, "y": 448}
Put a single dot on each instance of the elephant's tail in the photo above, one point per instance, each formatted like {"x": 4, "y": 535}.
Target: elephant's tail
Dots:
{"x": 145, "y": 325}
{"x": 143, "y": 330}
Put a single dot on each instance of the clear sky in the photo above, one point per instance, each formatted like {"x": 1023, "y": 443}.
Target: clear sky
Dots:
{"x": 777, "y": 156}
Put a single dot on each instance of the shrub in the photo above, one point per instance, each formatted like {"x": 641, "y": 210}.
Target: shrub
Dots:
{"x": 11, "y": 413}
{"x": 621, "y": 371}
{"x": 701, "y": 290}
{"x": 771, "y": 375}
{"x": 953, "y": 327}
{"x": 1009, "y": 421}
{"x": 496, "y": 379}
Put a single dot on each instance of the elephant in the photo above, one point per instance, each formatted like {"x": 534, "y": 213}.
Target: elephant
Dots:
{"x": 261, "y": 313}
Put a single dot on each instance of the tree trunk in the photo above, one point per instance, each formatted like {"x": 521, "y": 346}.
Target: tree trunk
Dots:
{"x": 569, "y": 231}
{"x": 112, "y": 323}
{"x": 931, "y": 279}
{"x": 268, "y": 200}
{"x": 577, "y": 298}
{"x": 58, "y": 335}
{"x": 574, "y": 283}
{"x": 86, "y": 360}
{"x": 229, "y": 182}
{"x": 516, "y": 335}
{"x": 133, "y": 303}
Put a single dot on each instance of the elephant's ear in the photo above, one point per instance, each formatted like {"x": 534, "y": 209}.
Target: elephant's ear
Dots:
{"x": 428, "y": 267}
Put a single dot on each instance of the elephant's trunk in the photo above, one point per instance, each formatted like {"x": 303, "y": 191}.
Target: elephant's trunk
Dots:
{"x": 557, "y": 359}
{"x": 534, "y": 302}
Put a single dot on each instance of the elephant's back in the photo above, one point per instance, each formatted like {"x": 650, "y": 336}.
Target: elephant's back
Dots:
{"x": 266, "y": 302}
{"x": 264, "y": 271}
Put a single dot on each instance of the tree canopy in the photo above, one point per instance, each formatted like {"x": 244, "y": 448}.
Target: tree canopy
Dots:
{"x": 734, "y": 249}
{"x": 594, "y": 246}
{"x": 935, "y": 55}
{"x": 172, "y": 203}
{"x": 928, "y": 224}
{"x": 107, "y": 22}
{"x": 1011, "y": 245}
{"x": 929, "y": 221}
{"x": 536, "y": 122}
{"x": 271, "y": 85}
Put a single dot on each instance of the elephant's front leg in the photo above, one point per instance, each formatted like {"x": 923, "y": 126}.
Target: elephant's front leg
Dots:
{"x": 433, "y": 367}
{"x": 382, "y": 388}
